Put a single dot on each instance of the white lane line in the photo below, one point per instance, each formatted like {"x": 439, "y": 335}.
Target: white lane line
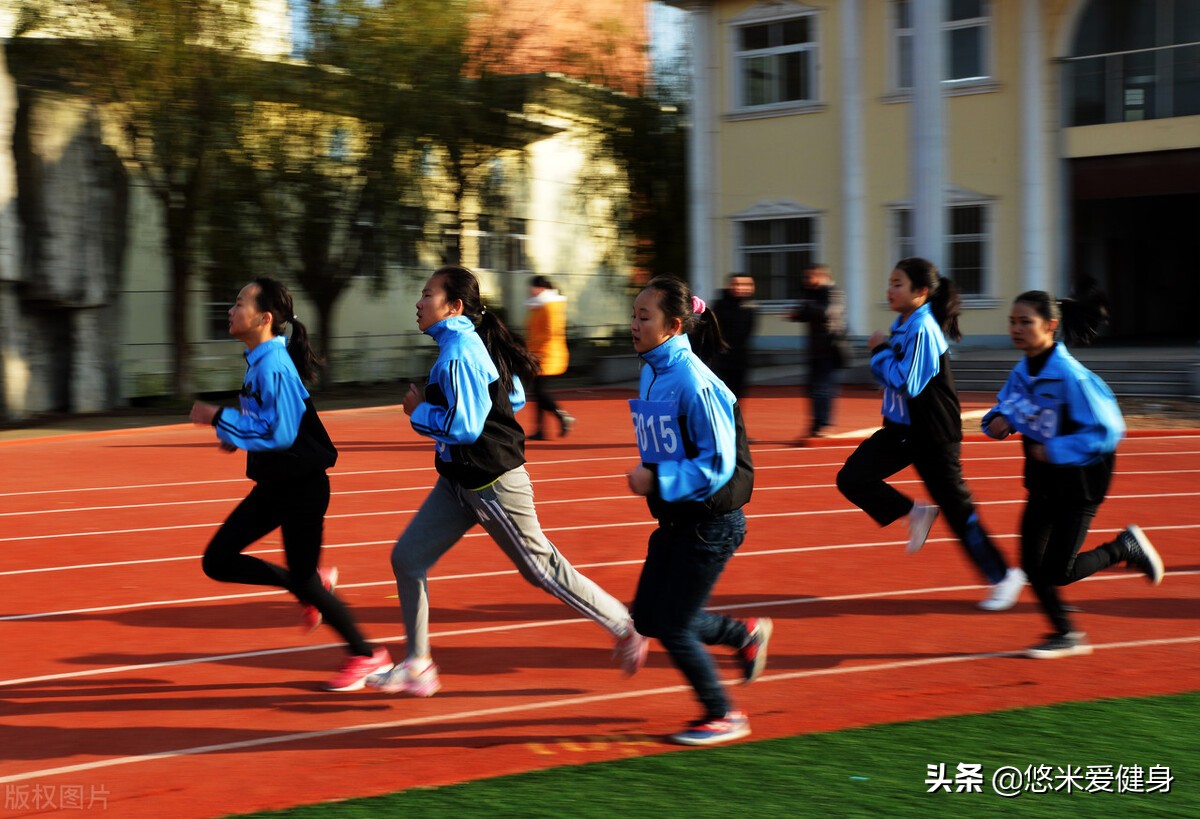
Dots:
{"x": 389, "y": 512}
{"x": 565, "y": 702}
{"x": 423, "y": 487}
{"x": 532, "y": 465}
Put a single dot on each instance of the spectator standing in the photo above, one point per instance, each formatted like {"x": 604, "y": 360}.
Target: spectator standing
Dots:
{"x": 737, "y": 314}
{"x": 546, "y": 337}
{"x": 823, "y": 308}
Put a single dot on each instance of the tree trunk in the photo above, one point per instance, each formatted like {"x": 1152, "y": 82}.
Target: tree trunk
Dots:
{"x": 178, "y": 247}
{"x": 323, "y": 345}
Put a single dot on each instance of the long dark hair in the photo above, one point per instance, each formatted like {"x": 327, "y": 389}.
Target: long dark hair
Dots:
{"x": 1080, "y": 319}
{"x": 943, "y": 299}
{"x": 507, "y": 350}
{"x": 274, "y": 298}
{"x": 703, "y": 329}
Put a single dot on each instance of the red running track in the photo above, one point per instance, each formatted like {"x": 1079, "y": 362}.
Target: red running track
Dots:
{"x": 132, "y": 682}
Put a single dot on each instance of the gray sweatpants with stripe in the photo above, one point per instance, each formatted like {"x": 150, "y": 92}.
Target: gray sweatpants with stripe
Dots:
{"x": 505, "y": 510}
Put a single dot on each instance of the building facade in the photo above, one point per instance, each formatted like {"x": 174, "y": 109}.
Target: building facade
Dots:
{"x": 1020, "y": 144}
{"x": 85, "y": 292}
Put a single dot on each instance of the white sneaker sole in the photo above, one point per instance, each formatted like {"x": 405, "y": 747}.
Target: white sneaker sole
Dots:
{"x": 1073, "y": 651}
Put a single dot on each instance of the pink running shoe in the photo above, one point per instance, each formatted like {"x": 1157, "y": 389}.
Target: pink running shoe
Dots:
{"x": 631, "y": 651}
{"x": 310, "y": 617}
{"x": 354, "y": 672}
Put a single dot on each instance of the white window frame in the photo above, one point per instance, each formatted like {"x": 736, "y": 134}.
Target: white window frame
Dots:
{"x": 902, "y": 246}
{"x": 898, "y": 35}
{"x": 517, "y": 245}
{"x": 776, "y": 212}
{"x": 809, "y": 51}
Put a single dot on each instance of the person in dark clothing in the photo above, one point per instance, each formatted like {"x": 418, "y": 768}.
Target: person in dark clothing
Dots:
{"x": 823, "y": 308}
{"x": 1070, "y": 425}
{"x": 696, "y": 475}
{"x": 922, "y": 428}
{"x": 738, "y": 315}
{"x": 287, "y": 454}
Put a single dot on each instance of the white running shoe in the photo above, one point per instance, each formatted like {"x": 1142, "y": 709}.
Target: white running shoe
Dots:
{"x": 1005, "y": 593}
{"x": 416, "y": 677}
{"x": 920, "y": 521}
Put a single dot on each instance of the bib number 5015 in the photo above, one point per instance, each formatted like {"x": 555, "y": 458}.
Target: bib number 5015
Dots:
{"x": 657, "y": 429}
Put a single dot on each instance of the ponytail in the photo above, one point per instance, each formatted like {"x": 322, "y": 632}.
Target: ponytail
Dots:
{"x": 700, "y": 324}
{"x": 507, "y": 351}
{"x": 944, "y": 301}
{"x": 274, "y": 298}
{"x": 1080, "y": 319}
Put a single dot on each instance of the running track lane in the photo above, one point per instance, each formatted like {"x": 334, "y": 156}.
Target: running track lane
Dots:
{"x": 136, "y": 682}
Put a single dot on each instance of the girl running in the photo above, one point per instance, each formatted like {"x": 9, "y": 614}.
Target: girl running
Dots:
{"x": 922, "y": 427}
{"x": 696, "y": 475}
{"x": 467, "y": 409}
{"x": 287, "y": 453}
{"x": 1070, "y": 425}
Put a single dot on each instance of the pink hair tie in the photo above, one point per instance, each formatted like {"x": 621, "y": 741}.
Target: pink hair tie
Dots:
{"x": 698, "y": 305}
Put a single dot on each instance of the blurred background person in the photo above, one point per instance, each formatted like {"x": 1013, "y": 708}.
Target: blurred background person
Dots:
{"x": 823, "y": 307}
{"x": 737, "y": 313}
{"x": 546, "y": 336}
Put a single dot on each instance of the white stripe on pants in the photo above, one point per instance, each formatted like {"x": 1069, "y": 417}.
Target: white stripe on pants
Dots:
{"x": 505, "y": 510}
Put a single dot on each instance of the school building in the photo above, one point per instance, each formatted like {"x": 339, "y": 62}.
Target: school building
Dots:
{"x": 85, "y": 281}
{"x": 1020, "y": 144}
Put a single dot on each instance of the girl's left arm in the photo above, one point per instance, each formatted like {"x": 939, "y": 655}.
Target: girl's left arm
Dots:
{"x": 270, "y": 417}
{"x": 711, "y": 427}
{"x": 464, "y": 390}
{"x": 912, "y": 369}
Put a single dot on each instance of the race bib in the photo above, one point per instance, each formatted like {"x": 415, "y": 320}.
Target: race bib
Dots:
{"x": 657, "y": 428}
{"x": 1035, "y": 416}
{"x": 895, "y": 406}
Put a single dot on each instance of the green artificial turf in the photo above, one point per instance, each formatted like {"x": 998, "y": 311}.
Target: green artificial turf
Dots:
{"x": 878, "y": 771}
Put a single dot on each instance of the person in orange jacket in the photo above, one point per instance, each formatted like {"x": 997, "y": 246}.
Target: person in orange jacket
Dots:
{"x": 546, "y": 337}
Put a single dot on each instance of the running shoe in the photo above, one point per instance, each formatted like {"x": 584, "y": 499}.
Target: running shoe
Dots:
{"x": 754, "y": 653}
{"x": 920, "y": 521}
{"x": 631, "y": 651}
{"x": 354, "y": 672}
{"x": 709, "y": 731}
{"x": 1005, "y": 593}
{"x": 1071, "y": 644}
{"x": 416, "y": 677}
{"x": 1140, "y": 554}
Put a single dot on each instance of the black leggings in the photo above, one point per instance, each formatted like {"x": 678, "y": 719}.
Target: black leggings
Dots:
{"x": 888, "y": 451}
{"x": 1052, "y": 533}
{"x": 297, "y": 508}
{"x": 541, "y": 394}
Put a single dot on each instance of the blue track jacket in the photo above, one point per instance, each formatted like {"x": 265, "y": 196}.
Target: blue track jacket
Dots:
{"x": 278, "y": 424}
{"x": 1066, "y": 407}
{"x": 711, "y": 465}
{"x": 913, "y": 368}
{"x": 465, "y": 412}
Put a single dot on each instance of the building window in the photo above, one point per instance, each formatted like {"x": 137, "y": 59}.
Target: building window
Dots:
{"x": 408, "y": 239}
{"x": 451, "y": 246}
{"x": 967, "y": 245}
{"x": 966, "y": 28}
{"x": 776, "y": 62}
{"x": 1134, "y": 61}
{"x": 485, "y": 241}
{"x": 775, "y": 252}
{"x": 216, "y": 310}
{"x": 517, "y": 240}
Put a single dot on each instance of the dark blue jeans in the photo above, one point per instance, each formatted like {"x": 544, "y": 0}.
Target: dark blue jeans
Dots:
{"x": 683, "y": 562}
